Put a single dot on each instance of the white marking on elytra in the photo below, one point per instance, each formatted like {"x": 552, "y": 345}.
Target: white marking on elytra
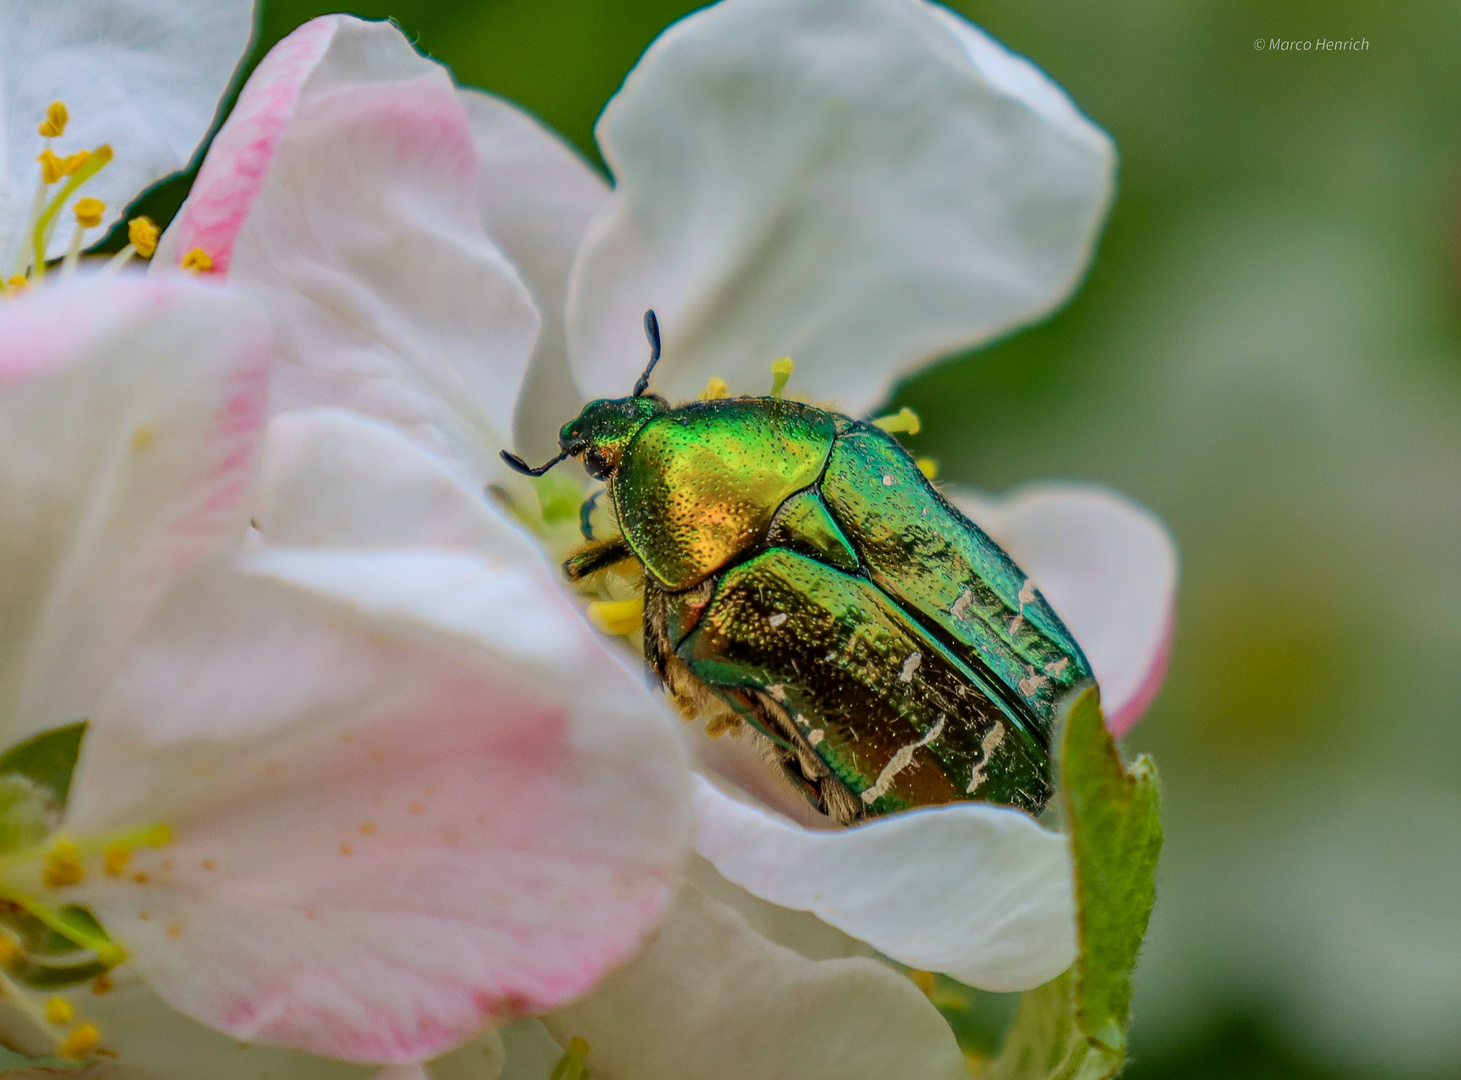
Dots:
{"x": 987, "y": 746}
{"x": 900, "y": 761}
{"x": 1032, "y": 682}
{"x": 887, "y": 481}
{"x": 1027, "y": 593}
{"x": 910, "y": 665}
{"x": 802, "y": 720}
{"x": 777, "y": 691}
{"x": 777, "y": 619}
{"x": 961, "y": 605}
{"x": 815, "y": 736}
{"x": 1056, "y": 668}
{"x": 1016, "y": 625}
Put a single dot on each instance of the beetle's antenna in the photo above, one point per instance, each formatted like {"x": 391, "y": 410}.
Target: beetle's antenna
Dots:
{"x": 651, "y": 331}
{"x": 519, "y": 465}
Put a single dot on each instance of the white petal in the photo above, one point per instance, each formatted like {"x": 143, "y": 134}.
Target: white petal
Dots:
{"x": 537, "y": 197}
{"x": 334, "y": 479}
{"x": 144, "y": 76}
{"x": 408, "y": 795}
{"x": 129, "y": 411}
{"x": 979, "y": 892}
{"x": 864, "y": 185}
{"x": 343, "y": 191}
{"x": 1108, "y": 568}
{"x": 709, "y": 998}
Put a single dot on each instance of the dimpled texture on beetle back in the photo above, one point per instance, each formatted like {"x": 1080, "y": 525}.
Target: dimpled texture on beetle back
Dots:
{"x": 698, "y": 487}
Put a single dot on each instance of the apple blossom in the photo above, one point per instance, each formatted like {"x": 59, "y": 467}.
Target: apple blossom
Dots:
{"x": 353, "y": 793}
{"x": 866, "y": 185}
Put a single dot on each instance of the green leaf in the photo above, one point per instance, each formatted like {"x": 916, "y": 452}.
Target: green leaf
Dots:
{"x": 12, "y": 1061}
{"x": 48, "y": 759}
{"x": 1074, "y": 1027}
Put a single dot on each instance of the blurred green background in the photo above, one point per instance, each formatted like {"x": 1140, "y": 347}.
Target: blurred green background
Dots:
{"x": 1268, "y": 353}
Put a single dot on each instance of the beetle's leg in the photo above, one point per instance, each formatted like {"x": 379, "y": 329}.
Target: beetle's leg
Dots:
{"x": 585, "y": 514}
{"x": 603, "y": 554}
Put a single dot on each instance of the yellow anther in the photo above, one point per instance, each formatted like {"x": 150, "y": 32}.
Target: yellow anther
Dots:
{"x": 10, "y": 950}
{"x": 904, "y": 422}
{"x": 74, "y": 163}
{"x": 81, "y": 1041}
{"x": 58, "y": 1010}
{"x": 197, "y": 261}
{"x": 578, "y": 1047}
{"x": 929, "y": 467}
{"x": 926, "y": 981}
{"x": 88, "y": 212}
{"x": 17, "y": 283}
{"x": 116, "y": 857}
{"x": 780, "y": 372}
{"x": 618, "y": 617}
{"x": 715, "y": 389}
{"x": 52, "y": 167}
{"x": 142, "y": 233}
{"x": 63, "y": 865}
{"x": 54, "y": 124}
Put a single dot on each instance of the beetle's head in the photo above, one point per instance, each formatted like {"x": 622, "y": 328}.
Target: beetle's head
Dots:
{"x": 600, "y": 433}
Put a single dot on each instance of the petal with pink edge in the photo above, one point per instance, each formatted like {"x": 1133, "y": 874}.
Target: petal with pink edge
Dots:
{"x": 979, "y": 892}
{"x": 710, "y": 998}
{"x": 409, "y": 794}
{"x": 1108, "y": 568}
{"x": 129, "y": 414}
{"x": 864, "y": 185}
{"x": 343, "y": 192}
{"x": 537, "y": 195}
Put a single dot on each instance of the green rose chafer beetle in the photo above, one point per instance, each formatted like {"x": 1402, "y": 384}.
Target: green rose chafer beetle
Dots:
{"x": 802, "y": 575}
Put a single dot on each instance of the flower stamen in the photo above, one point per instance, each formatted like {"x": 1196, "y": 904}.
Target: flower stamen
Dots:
{"x": 81, "y": 1041}
{"x": 142, "y": 234}
{"x": 904, "y": 422}
{"x": 54, "y": 125}
{"x": 781, "y": 372}
{"x": 715, "y": 389}
{"x": 617, "y": 617}
{"x": 85, "y": 168}
{"x": 198, "y": 261}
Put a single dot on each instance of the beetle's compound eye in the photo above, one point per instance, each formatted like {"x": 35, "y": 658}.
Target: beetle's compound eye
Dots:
{"x": 598, "y": 464}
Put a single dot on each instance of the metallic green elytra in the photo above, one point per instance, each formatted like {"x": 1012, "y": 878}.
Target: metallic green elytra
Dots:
{"x": 802, "y": 573}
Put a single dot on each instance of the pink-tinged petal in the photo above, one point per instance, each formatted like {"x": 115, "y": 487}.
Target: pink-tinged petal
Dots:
{"x": 143, "y": 76}
{"x": 864, "y": 185}
{"x": 710, "y": 999}
{"x": 127, "y": 444}
{"x": 410, "y": 794}
{"x": 1108, "y": 568}
{"x": 402, "y": 1072}
{"x": 239, "y": 158}
{"x": 538, "y": 196}
{"x": 348, "y": 197}
{"x": 979, "y": 892}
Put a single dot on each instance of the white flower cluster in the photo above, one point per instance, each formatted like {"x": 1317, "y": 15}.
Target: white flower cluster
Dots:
{"x": 358, "y": 778}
